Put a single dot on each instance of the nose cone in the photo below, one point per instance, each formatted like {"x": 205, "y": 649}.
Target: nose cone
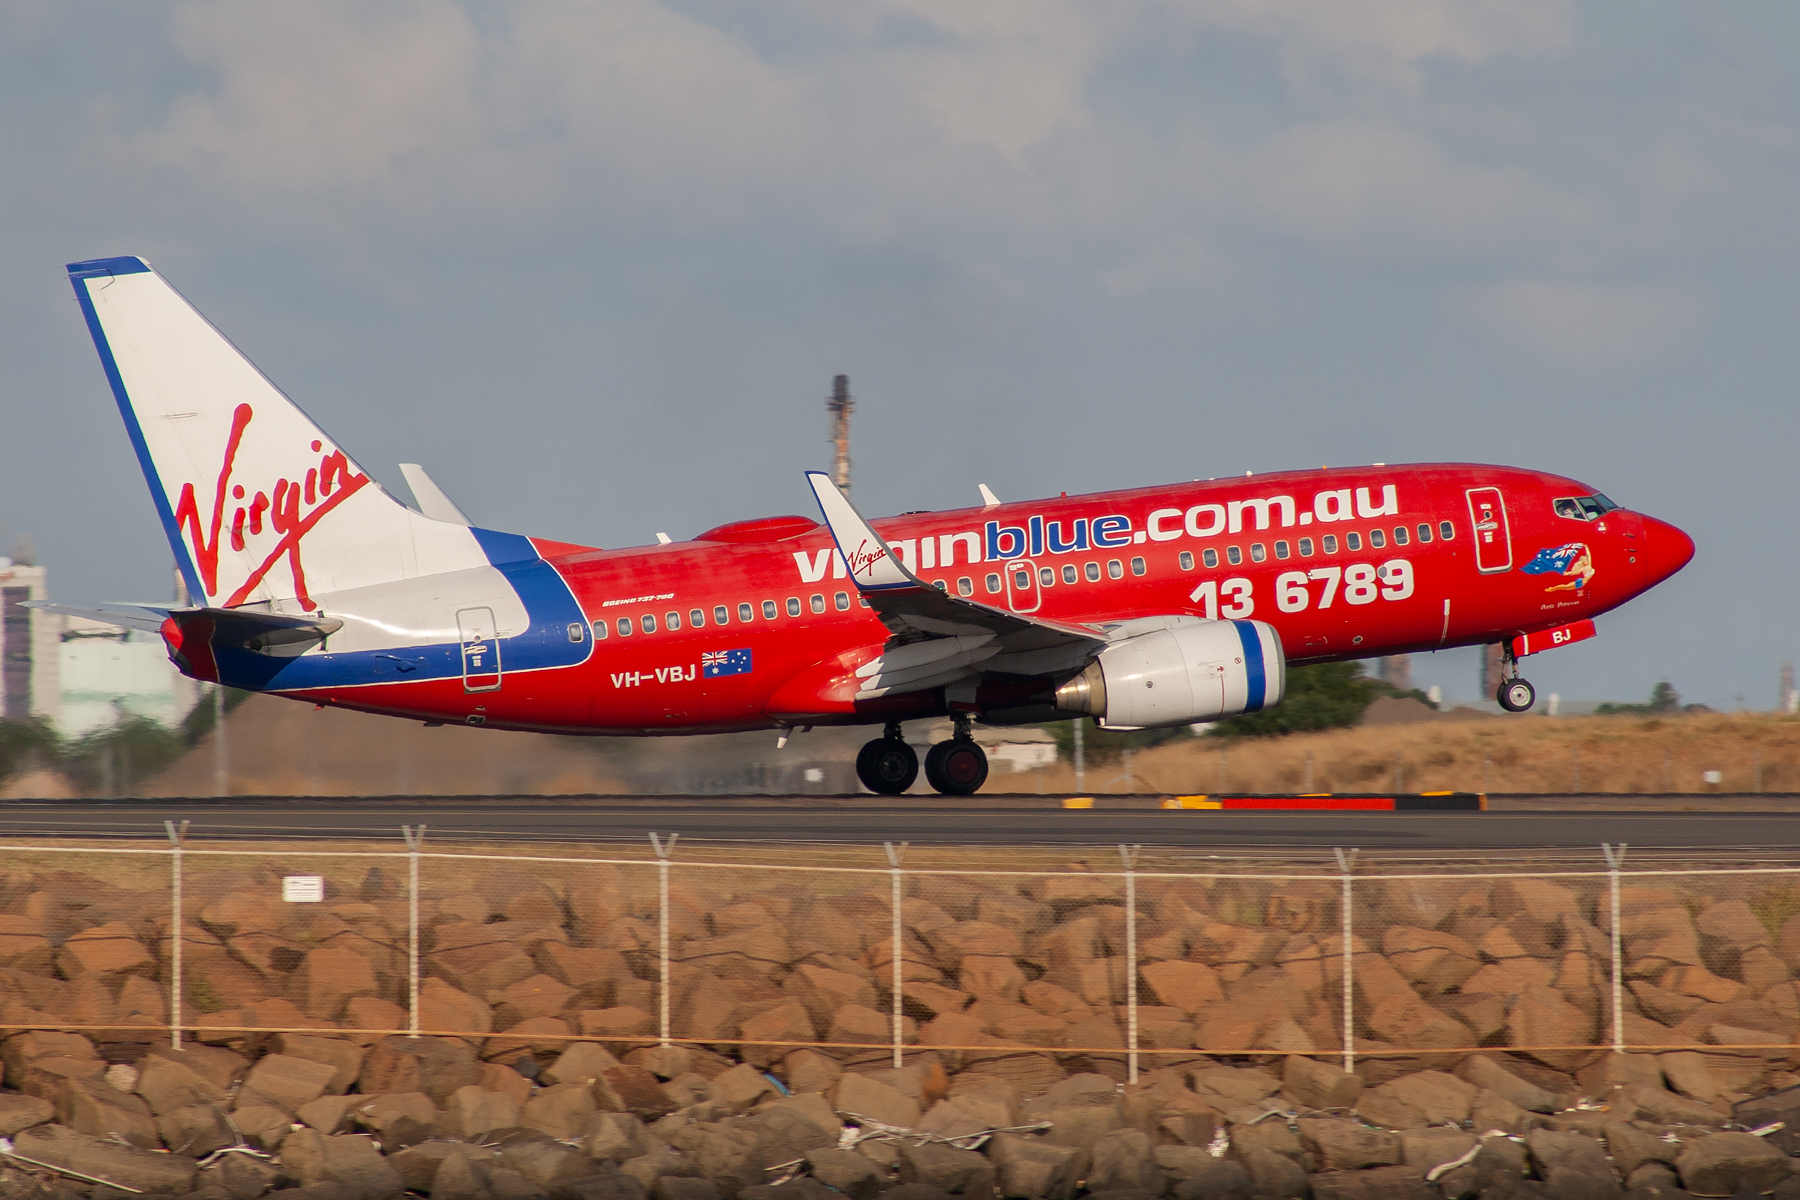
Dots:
{"x": 1666, "y": 550}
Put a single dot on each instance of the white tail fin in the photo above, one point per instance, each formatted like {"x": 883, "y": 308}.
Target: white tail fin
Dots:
{"x": 259, "y": 504}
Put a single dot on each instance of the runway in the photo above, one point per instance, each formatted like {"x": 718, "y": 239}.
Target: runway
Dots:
{"x": 1515, "y": 824}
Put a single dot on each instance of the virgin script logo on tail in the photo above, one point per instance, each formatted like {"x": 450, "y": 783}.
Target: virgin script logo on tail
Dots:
{"x": 291, "y": 507}
{"x": 862, "y": 560}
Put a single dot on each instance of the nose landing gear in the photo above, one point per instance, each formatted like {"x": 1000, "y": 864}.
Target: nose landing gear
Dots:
{"x": 1515, "y": 694}
{"x": 887, "y": 766}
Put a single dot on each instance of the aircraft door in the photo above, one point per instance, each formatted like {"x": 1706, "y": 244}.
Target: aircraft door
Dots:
{"x": 1493, "y": 535}
{"x": 480, "y": 649}
{"x": 1022, "y": 592}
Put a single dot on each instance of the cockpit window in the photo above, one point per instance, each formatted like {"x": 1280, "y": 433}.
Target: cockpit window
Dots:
{"x": 1583, "y": 508}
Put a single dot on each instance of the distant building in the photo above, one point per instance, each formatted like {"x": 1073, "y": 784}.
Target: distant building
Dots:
{"x": 80, "y": 675}
{"x": 108, "y": 672}
{"x": 30, "y": 658}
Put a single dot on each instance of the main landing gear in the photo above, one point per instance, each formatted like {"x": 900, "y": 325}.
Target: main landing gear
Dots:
{"x": 1515, "y": 694}
{"x": 888, "y": 766}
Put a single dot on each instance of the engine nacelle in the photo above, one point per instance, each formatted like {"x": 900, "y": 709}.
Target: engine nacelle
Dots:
{"x": 1192, "y": 670}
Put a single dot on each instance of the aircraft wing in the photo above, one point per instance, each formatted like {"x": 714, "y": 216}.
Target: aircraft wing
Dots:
{"x": 957, "y": 634}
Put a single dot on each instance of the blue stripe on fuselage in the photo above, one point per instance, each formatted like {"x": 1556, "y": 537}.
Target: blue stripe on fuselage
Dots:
{"x": 550, "y": 609}
{"x": 1256, "y": 674}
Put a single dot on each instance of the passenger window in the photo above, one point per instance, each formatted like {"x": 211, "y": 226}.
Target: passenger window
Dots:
{"x": 697, "y": 617}
{"x": 818, "y": 603}
{"x": 577, "y": 631}
{"x": 939, "y": 585}
{"x": 1446, "y": 530}
{"x": 793, "y": 606}
{"x": 993, "y": 584}
{"x": 1400, "y": 538}
{"x": 1281, "y": 549}
{"x": 648, "y": 621}
{"x": 768, "y": 610}
{"x": 624, "y": 626}
{"x": 600, "y": 630}
{"x": 1353, "y": 541}
{"x": 1068, "y": 573}
{"x": 842, "y": 600}
{"x": 1022, "y": 579}
{"x": 671, "y": 620}
{"x": 1092, "y": 571}
{"x": 1187, "y": 560}
{"x": 1328, "y": 543}
{"x": 745, "y": 612}
{"x": 1377, "y": 539}
{"x": 1210, "y": 557}
{"x": 1137, "y": 566}
{"x": 1257, "y": 553}
{"x": 1115, "y": 569}
{"x": 721, "y": 614}
{"x": 1046, "y": 577}
{"x": 1424, "y": 533}
{"x": 1233, "y": 555}
{"x": 1305, "y": 547}
{"x": 965, "y": 586}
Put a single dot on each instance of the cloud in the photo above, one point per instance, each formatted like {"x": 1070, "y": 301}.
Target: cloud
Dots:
{"x": 900, "y": 115}
{"x": 1371, "y": 185}
{"x": 1584, "y": 324}
{"x": 1385, "y": 41}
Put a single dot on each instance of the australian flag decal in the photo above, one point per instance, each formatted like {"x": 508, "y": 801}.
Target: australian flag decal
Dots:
{"x": 714, "y": 663}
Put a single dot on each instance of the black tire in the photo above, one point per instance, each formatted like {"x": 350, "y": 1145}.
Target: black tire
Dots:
{"x": 956, "y": 768}
{"x": 887, "y": 766}
{"x": 1516, "y": 695}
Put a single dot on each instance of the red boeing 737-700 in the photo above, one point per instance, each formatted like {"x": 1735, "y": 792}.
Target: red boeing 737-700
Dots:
{"x": 1158, "y": 606}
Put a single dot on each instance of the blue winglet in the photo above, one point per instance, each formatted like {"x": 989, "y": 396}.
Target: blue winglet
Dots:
{"x": 127, "y": 265}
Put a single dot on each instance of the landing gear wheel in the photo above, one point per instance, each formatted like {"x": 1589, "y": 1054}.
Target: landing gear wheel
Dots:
{"x": 1516, "y": 695}
{"x": 957, "y": 767}
{"x": 887, "y": 766}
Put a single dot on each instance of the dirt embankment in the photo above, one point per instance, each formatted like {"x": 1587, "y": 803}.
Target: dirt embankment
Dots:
{"x": 1479, "y": 754}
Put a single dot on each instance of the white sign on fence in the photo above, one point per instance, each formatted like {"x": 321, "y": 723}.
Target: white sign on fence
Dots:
{"x": 303, "y": 889}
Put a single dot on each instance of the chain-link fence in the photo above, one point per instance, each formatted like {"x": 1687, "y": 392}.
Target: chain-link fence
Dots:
{"x": 1013, "y": 962}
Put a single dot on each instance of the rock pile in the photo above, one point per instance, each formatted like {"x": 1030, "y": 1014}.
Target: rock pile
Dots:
{"x": 539, "y": 994}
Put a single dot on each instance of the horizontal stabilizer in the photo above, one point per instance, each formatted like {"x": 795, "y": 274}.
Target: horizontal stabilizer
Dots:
{"x": 147, "y": 617}
{"x": 249, "y": 629}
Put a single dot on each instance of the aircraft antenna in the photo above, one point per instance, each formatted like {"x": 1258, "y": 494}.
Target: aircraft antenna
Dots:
{"x": 839, "y": 407}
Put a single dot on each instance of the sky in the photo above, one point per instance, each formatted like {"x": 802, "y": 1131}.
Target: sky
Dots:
{"x": 595, "y": 264}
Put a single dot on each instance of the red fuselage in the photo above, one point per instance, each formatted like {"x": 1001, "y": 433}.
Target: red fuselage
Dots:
{"x": 1344, "y": 563}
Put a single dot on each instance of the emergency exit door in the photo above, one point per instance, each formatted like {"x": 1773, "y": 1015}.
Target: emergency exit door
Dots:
{"x": 1493, "y": 536}
{"x": 480, "y": 649}
{"x": 1023, "y": 594}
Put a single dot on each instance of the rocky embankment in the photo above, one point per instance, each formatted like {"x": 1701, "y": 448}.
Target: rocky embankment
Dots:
{"x": 539, "y": 990}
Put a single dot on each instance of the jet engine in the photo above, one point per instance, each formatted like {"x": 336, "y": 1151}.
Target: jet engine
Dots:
{"x": 1191, "y": 670}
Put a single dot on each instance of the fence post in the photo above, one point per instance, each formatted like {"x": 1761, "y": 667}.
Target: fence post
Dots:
{"x": 893, "y": 857}
{"x": 1129, "y": 854}
{"x": 176, "y": 834}
{"x": 663, "y": 851}
{"x": 1346, "y": 863}
{"x": 1615, "y": 859}
{"x": 415, "y": 840}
